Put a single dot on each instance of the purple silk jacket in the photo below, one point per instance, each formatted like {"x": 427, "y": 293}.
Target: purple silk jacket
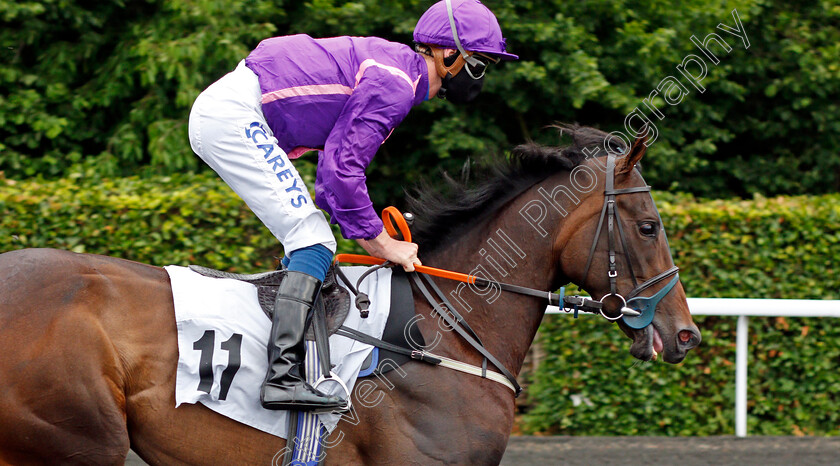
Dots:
{"x": 343, "y": 95}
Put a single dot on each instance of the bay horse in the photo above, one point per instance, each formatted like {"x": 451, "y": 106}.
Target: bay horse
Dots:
{"x": 89, "y": 350}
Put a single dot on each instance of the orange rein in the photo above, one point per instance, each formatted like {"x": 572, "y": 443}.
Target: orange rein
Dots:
{"x": 390, "y": 215}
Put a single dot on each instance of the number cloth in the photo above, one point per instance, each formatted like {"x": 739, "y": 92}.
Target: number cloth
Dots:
{"x": 220, "y": 323}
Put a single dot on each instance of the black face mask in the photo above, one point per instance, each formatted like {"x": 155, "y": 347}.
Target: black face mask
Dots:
{"x": 461, "y": 88}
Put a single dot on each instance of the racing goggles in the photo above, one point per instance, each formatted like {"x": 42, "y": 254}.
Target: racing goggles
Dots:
{"x": 476, "y": 64}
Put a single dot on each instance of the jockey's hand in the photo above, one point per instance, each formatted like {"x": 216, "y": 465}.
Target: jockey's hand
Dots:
{"x": 396, "y": 251}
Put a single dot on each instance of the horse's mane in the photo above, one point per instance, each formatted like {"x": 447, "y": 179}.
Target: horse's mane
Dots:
{"x": 443, "y": 211}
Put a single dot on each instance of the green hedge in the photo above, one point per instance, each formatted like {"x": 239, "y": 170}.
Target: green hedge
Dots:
{"x": 785, "y": 247}
{"x": 179, "y": 219}
{"x": 108, "y": 85}
{"x": 763, "y": 248}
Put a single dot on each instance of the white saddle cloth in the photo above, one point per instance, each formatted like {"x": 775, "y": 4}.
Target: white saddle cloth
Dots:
{"x": 221, "y": 325}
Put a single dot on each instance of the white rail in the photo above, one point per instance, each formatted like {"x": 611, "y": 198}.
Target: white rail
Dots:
{"x": 744, "y": 309}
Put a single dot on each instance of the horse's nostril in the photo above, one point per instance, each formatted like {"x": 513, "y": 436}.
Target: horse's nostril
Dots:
{"x": 688, "y": 338}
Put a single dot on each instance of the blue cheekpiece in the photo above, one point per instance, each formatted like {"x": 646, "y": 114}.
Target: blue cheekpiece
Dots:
{"x": 647, "y": 305}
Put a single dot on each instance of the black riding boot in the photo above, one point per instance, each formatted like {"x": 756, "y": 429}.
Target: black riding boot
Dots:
{"x": 284, "y": 386}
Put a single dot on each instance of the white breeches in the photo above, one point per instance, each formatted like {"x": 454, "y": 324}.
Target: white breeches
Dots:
{"x": 229, "y": 132}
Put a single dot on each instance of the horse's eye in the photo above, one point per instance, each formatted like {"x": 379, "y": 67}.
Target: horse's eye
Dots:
{"x": 647, "y": 228}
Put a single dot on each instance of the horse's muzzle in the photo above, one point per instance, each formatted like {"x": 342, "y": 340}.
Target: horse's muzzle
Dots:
{"x": 674, "y": 348}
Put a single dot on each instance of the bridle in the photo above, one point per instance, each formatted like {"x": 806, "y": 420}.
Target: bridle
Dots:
{"x": 637, "y": 311}
{"x": 613, "y": 305}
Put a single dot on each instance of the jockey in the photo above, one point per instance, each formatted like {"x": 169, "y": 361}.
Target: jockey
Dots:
{"x": 342, "y": 96}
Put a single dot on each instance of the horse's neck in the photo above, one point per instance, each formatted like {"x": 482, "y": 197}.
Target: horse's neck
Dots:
{"x": 509, "y": 250}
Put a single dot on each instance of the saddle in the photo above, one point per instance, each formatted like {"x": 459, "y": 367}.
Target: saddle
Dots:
{"x": 334, "y": 298}
{"x": 335, "y": 301}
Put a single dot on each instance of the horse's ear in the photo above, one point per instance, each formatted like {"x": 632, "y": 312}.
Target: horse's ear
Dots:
{"x": 637, "y": 151}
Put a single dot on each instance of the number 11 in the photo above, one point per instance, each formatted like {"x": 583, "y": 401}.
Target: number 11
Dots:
{"x": 206, "y": 344}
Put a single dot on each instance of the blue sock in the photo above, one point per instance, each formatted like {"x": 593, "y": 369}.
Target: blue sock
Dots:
{"x": 312, "y": 260}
